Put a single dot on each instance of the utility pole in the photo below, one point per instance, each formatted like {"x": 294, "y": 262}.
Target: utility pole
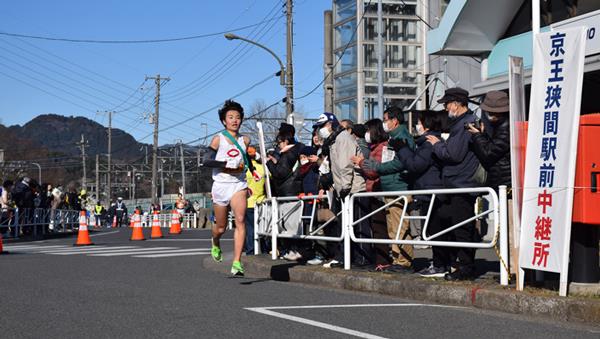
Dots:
{"x": 182, "y": 167}
{"x": 157, "y": 79}
{"x": 380, "y": 50}
{"x": 82, "y": 145}
{"x": 289, "y": 102}
{"x": 109, "y": 150}
{"x": 98, "y": 177}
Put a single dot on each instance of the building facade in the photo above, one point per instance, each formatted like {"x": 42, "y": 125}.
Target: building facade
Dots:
{"x": 407, "y": 66}
{"x": 492, "y": 31}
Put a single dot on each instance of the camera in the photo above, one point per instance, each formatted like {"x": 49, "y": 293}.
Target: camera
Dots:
{"x": 476, "y": 124}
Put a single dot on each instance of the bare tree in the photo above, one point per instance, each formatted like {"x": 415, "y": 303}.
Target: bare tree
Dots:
{"x": 271, "y": 117}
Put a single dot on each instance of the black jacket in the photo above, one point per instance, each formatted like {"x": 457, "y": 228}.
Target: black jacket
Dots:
{"x": 23, "y": 196}
{"x": 283, "y": 175}
{"x": 494, "y": 153}
{"x": 422, "y": 165}
{"x": 456, "y": 154}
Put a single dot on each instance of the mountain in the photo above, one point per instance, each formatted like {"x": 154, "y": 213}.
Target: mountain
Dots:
{"x": 60, "y": 134}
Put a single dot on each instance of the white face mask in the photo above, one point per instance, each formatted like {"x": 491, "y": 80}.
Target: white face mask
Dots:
{"x": 368, "y": 137}
{"x": 420, "y": 129}
{"x": 303, "y": 161}
{"x": 324, "y": 132}
{"x": 385, "y": 127}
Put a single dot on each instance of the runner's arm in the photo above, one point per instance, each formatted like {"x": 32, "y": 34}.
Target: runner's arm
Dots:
{"x": 211, "y": 154}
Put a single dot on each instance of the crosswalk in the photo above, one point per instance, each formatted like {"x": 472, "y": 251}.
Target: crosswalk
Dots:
{"x": 108, "y": 251}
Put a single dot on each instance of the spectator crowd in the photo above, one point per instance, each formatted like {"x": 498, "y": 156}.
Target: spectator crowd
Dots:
{"x": 453, "y": 148}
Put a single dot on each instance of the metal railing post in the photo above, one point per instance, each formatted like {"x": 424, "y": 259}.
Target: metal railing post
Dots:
{"x": 257, "y": 212}
{"x": 346, "y": 227}
{"x": 503, "y": 236}
{"x": 274, "y": 227}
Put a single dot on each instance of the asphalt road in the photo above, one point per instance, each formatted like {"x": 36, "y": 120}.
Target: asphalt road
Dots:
{"x": 160, "y": 289}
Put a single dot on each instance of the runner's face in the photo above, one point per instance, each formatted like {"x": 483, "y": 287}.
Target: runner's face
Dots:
{"x": 233, "y": 120}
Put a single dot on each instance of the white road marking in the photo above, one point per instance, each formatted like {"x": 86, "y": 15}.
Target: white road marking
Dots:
{"x": 101, "y": 234}
{"x": 203, "y": 252}
{"x": 143, "y": 251}
{"x": 27, "y": 247}
{"x": 110, "y": 251}
{"x": 344, "y": 330}
{"x": 84, "y": 249}
{"x": 187, "y": 239}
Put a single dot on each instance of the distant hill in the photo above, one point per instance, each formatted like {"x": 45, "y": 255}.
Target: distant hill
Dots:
{"x": 59, "y": 134}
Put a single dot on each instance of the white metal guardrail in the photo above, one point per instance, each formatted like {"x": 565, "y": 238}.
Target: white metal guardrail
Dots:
{"x": 270, "y": 214}
{"x": 269, "y": 219}
{"x": 36, "y": 220}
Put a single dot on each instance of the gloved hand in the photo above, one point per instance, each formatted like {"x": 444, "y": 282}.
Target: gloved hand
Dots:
{"x": 344, "y": 193}
{"x": 233, "y": 163}
{"x": 397, "y": 144}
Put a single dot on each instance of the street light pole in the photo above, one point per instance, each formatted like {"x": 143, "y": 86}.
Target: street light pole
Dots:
{"x": 282, "y": 78}
{"x": 39, "y": 172}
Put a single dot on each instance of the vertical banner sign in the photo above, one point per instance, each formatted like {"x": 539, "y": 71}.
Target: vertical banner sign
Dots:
{"x": 552, "y": 151}
{"x": 518, "y": 139}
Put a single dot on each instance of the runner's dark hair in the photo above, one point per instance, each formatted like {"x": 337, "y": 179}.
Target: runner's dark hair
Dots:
{"x": 230, "y": 105}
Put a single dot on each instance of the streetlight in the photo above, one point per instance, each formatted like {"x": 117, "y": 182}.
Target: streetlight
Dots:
{"x": 289, "y": 94}
{"x": 39, "y": 172}
{"x": 231, "y": 36}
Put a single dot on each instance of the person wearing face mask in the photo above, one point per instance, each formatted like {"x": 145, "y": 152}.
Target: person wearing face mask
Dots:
{"x": 393, "y": 177}
{"x": 284, "y": 176}
{"x": 377, "y": 140}
{"x": 459, "y": 167}
{"x": 492, "y": 148}
{"x": 338, "y": 148}
{"x": 426, "y": 170}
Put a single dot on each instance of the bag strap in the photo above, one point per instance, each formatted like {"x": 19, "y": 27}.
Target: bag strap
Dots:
{"x": 247, "y": 161}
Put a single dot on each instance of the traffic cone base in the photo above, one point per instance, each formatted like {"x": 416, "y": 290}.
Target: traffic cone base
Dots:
{"x": 137, "y": 234}
{"x": 83, "y": 235}
{"x": 2, "y": 251}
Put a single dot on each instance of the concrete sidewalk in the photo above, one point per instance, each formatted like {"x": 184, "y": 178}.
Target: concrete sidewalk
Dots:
{"x": 484, "y": 293}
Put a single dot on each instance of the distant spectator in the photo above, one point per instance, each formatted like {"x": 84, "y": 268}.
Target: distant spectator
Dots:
{"x": 6, "y": 204}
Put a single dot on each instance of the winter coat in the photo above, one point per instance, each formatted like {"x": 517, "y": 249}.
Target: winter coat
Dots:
{"x": 393, "y": 173}
{"x": 373, "y": 180}
{"x": 308, "y": 175}
{"x": 456, "y": 154}
{"x": 346, "y": 178}
{"x": 283, "y": 174}
{"x": 422, "y": 165}
{"x": 23, "y": 196}
{"x": 494, "y": 153}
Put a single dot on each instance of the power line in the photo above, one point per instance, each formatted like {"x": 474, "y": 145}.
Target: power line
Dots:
{"x": 213, "y": 107}
{"x": 18, "y": 35}
{"x": 216, "y": 69}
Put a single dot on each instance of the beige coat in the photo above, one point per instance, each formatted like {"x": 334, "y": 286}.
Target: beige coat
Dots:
{"x": 345, "y": 175}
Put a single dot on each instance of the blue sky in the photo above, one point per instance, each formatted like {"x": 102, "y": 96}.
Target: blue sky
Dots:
{"x": 38, "y": 77}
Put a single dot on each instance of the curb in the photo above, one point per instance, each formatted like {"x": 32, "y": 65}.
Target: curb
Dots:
{"x": 470, "y": 294}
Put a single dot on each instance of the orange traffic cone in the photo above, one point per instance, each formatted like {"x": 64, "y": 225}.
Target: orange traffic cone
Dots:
{"x": 137, "y": 233}
{"x": 83, "y": 236}
{"x": 132, "y": 221}
{"x": 175, "y": 225}
{"x": 114, "y": 222}
{"x": 156, "y": 231}
{"x": 1, "y": 248}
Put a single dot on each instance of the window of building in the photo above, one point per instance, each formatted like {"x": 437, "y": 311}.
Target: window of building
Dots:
{"x": 394, "y": 29}
{"x": 396, "y": 56}
{"x": 551, "y": 11}
{"x": 344, "y": 9}
{"x": 346, "y": 86}
{"x": 346, "y": 110}
{"x": 393, "y": 7}
{"x": 348, "y": 60}
{"x": 345, "y": 33}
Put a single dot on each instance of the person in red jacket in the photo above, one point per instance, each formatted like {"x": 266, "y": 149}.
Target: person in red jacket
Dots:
{"x": 377, "y": 139}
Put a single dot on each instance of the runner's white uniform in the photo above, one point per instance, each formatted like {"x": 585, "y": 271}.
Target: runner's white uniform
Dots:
{"x": 225, "y": 184}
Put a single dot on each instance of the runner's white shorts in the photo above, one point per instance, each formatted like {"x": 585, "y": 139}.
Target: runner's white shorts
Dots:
{"x": 222, "y": 192}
